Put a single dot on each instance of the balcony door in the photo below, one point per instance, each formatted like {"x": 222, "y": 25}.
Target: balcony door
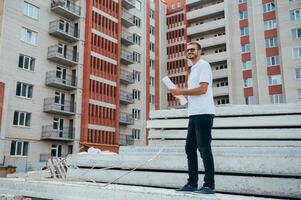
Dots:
{"x": 61, "y": 74}
{"x": 64, "y": 26}
{"x": 60, "y": 99}
{"x": 56, "y": 150}
{"x": 58, "y": 125}
{"x": 62, "y": 49}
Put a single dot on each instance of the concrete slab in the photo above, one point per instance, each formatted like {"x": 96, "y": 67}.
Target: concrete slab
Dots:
{"x": 67, "y": 190}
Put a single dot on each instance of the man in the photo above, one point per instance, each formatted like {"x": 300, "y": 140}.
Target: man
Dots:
{"x": 201, "y": 112}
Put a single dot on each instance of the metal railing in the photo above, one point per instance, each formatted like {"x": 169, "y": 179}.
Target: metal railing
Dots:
{"x": 127, "y": 16}
{"x": 49, "y": 132}
{"x": 125, "y": 140}
{"x": 53, "y": 51}
{"x": 71, "y": 7}
{"x": 128, "y": 36}
{"x": 126, "y": 55}
{"x": 56, "y": 26}
{"x": 69, "y": 80}
{"x": 126, "y": 118}
{"x": 126, "y": 96}
{"x": 51, "y": 105}
{"x": 127, "y": 76}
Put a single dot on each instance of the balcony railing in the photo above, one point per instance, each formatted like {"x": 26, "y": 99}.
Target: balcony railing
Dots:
{"x": 127, "y": 57}
{"x": 127, "y": 19}
{"x": 207, "y": 27}
{"x": 66, "y": 9}
{"x": 126, "y": 77}
{"x": 63, "y": 56}
{"x": 125, "y": 140}
{"x": 128, "y": 4}
{"x": 48, "y": 133}
{"x": 44, "y": 157}
{"x": 61, "y": 31}
{"x": 126, "y": 97}
{"x": 126, "y": 119}
{"x": 69, "y": 82}
{"x": 51, "y": 106}
{"x": 127, "y": 38}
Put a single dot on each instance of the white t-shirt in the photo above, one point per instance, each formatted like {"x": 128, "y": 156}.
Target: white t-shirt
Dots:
{"x": 200, "y": 104}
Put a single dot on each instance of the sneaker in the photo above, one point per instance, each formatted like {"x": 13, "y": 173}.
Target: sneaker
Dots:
{"x": 187, "y": 188}
{"x": 205, "y": 190}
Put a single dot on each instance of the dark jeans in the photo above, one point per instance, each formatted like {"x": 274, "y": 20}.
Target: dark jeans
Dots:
{"x": 199, "y": 137}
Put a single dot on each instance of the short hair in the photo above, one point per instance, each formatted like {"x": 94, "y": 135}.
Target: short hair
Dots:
{"x": 195, "y": 43}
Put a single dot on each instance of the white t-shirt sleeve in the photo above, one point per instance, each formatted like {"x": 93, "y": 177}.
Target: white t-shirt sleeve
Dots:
{"x": 205, "y": 74}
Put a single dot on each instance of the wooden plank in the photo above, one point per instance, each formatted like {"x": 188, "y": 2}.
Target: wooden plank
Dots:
{"x": 280, "y": 133}
{"x": 247, "y": 122}
{"x": 234, "y": 110}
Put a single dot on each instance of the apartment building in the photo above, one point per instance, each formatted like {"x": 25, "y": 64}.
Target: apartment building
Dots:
{"x": 252, "y": 46}
{"x": 120, "y": 68}
{"x": 41, "y": 48}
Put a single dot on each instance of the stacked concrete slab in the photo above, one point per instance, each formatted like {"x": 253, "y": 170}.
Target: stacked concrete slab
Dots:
{"x": 257, "y": 151}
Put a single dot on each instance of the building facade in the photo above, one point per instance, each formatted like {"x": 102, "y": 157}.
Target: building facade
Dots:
{"x": 252, "y": 46}
{"x": 40, "y": 70}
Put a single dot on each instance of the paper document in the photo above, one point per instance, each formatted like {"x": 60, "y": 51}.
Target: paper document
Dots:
{"x": 170, "y": 85}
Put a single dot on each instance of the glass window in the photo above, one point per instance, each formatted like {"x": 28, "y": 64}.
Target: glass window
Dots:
{"x": 152, "y": 81}
{"x": 277, "y": 98}
{"x": 136, "y": 134}
{"x": 18, "y": 148}
{"x": 295, "y": 14}
{"x": 273, "y": 60}
{"x": 26, "y": 62}
{"x": 271, "y": 42}
{"x": 248, "y": 82}
{"x": 29, "y": 36}
{"x": 138, "y": 4}
{"x": 21, "y": 118}
{"x": 137, "y": 39}
{"x": 296, "y": 33}
{"x": 31, "y": 10}
{"x": 270, "y": 24}
{"x": 137, "y": 57}
{"x": 268, "y": 7}
{"x": 152, "y": 99}
{"x": 297, "y": 53}
{"x": 249, "y": 100}
{"x": 247, "y": 65}
{"x": 275, "y": 79}
{"x": 136, "y": 75}
{"x": 244, "y": 31}
{"x": 245, "y": 48}
{"x": 24, "y": 90}
{"x": 298, "y": 73}
{"x": 136, "y": 114}
{"x": 137, "y": 21}
{"x": 243, "y": 15}
{"x": 298, "y": 95}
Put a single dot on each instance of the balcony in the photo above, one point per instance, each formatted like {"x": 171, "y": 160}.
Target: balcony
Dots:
{"x": 45, "y": 157}
{"x": 53, "y": 79}
{"x": 48, "y": 133}
{"x": 214, "y": 41}
{"x": 126, "y": 77}
{"x": 215, "y": 57}
{"x": 128, "y": 4}
{"x": 125, "y": 140}
{"x": 126, "y": 97}
{"x": 127, "y": 19}
{"x": 220, "y": 91}
{"x": 206, "y": 27}
{"x": 62, "y": 31}
{"x": 126, "y": 119}
{"x": 66, "y": 9}
{"x": 62, "y": 56}
{"x": 218, "y": 74}
{"x": 205, "y": 12}
{"x": 126, "y": 57}
{"x": 127, "y": 38}
{"x": 67, "y": 108}
{"x": 195, "y": 3}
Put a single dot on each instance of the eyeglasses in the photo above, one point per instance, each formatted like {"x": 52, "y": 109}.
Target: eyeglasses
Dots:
{"x": 192, "y": 49}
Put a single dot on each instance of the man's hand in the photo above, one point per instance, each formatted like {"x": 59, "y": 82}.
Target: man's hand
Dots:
{"x": 176, "y": 91}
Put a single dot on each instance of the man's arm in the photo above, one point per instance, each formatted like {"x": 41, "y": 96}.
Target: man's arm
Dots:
{"x": 202, "y": 89}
